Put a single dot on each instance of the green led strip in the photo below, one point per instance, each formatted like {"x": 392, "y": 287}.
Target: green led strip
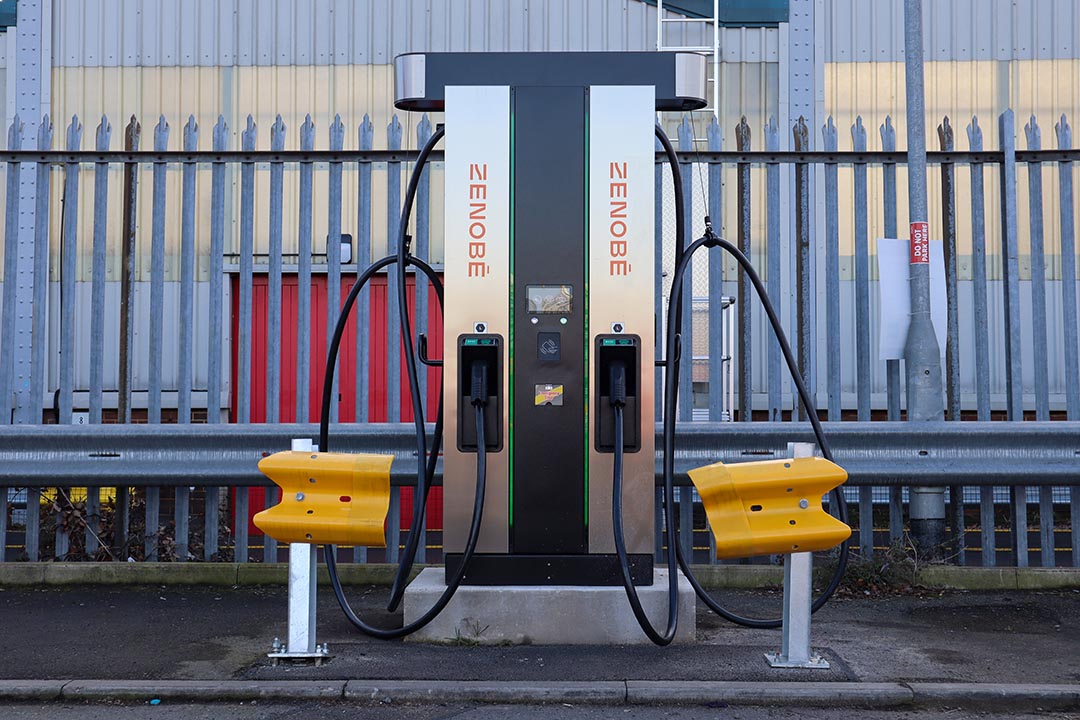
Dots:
{"x": 586, "y": 283}
{"x": 510, "y": 356}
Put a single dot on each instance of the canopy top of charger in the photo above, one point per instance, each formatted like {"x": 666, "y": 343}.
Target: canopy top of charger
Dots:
{"x": 421, "y": 79}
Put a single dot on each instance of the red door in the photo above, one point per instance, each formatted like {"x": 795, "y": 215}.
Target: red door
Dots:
{"x": 347, "y": 379}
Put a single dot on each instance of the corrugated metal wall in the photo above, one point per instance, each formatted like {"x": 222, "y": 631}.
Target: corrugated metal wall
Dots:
{"x": 865, "y": 31}
{"x": 203, "y": 93}
{"x": 1044, "y": 88}
{"x": 322, "y": 32}
{"x": 320, "y": 57}
{"x": 358, "y": 32}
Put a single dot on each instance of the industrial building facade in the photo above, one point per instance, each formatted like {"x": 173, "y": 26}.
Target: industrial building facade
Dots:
{"x": 191, "y": 63}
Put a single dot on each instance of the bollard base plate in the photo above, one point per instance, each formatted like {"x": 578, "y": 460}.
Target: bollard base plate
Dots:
{"x": 298, "y": 657}
{"x": 815, "y": 662}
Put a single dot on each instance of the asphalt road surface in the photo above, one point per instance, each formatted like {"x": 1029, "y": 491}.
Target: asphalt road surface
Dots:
{"x": 208, "y": 632}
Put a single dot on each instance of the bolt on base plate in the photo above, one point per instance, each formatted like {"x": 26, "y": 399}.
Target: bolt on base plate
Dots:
{"x": 815, "y": 662}
{"x": 279, "y": 652}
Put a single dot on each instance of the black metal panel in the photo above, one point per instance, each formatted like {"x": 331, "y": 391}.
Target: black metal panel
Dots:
{"x": 581, "y": 570}
{"x": 733, "y": 13}
{"x": 550, "y": 69}
{"x": 549, "y": 249}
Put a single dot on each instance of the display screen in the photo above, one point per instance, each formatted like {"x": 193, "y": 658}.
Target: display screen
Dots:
{"x": 550, "y": 298}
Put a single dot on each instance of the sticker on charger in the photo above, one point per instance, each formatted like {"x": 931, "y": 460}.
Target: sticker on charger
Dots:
{"x": 549, "y": 395}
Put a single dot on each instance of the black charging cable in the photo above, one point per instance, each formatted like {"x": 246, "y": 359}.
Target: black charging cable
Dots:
{"x": 425, "y": 461}
{"x": 617, "y": 394}
{"x": 671, "y": 390}
{"x": 339, "y": 332}
{"x": 479, "y": 399}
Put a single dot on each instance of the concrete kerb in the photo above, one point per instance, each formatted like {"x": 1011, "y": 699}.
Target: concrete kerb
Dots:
{"x": 494, "y": 691}
{"x": 202, "y": 690}
{"x": 362, "y": 574}
{"x": 977, "y": 578}
{"x": 15, "y": 574}
{"x": 994, "y": 696}
{"x": 175, "y": 573}
{"x": 31, "y": 689}
{"x": 132, "y": 573}
{"x": 945, "y": 577}
{"x": 818, "y": 694}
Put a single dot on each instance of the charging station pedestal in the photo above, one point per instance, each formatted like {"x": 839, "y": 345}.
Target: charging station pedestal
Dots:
{"x": 550, "y": 281}
{"x": 544, "y": 614}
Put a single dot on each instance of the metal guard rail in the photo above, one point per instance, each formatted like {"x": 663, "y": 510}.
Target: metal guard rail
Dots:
{"x": 753, "y": 157}
{"x": 873, "y": 453}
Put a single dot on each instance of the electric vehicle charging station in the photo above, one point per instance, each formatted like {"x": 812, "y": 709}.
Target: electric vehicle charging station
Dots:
{"x": 548, "y": 364}
{"x": 549, "y": 274}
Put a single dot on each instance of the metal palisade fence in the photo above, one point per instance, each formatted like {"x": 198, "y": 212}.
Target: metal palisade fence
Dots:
{"x": 168, "y": 307}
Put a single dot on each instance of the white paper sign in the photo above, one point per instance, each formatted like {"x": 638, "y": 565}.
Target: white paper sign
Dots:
{"x": 894, "y": 294}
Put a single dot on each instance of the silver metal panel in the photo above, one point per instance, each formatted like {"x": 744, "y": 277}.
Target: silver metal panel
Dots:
{"x": 303, "y": 587}
{"x": 63, "y": 336}
{"x": 393, "y": 314}
{"x": 409, "y": 77}
{"x": 303, "y": 277}
{"x": 97, "y": 301}
{"x": 218, "y": 329}
{"x": 273, "y": 313}
{"x": 477, "y": 278}
{"x": 157, "y": 276}
{"x": 621, "y": 273}
{"x": 333, "y": 247}
{"x": 247, "y": 228}
{"x": 187, "y": 276}
{"x": 691, "y": 72}
{"x": 7, "y": 326}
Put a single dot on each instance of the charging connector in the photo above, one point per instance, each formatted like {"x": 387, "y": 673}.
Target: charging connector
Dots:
{"x": 617, "y": 388}
{"x": 478, "y": 383}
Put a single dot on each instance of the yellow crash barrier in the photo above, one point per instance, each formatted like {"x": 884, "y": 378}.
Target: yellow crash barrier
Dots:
{"x": 336, "y": 498}
{"x": 770, "y": 507}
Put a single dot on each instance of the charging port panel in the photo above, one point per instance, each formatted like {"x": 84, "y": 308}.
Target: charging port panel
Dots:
{"x": 488, "y": 349}
{"x": 627, "y": 350}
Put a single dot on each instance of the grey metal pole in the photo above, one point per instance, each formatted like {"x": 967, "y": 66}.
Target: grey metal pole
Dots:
{"x": 30, "y": 32}
{"x": 922, "y": 355}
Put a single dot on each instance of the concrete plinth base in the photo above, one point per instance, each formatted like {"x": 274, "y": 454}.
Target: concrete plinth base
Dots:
{"x": 544, "y": 615}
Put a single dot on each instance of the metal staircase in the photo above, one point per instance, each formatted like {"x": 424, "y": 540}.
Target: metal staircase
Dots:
{"x": 712, "y": 50}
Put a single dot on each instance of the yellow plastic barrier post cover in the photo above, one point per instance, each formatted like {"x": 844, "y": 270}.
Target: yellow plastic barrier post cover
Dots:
{"x": 770, "y": 507}
{"x": 335, "y": 498}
